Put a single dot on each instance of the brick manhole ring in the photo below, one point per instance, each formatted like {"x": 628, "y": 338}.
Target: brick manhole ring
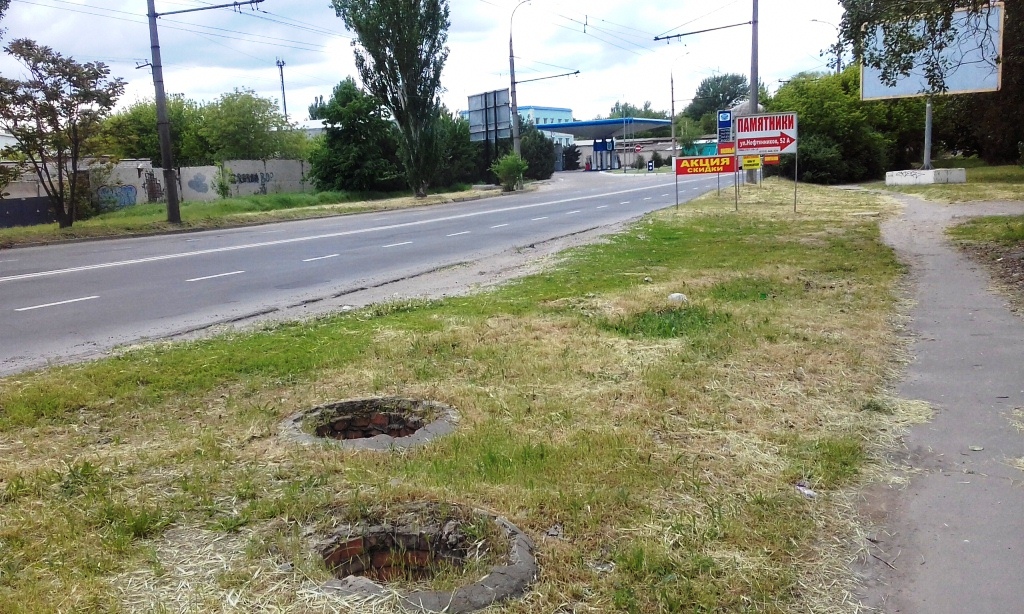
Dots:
{"x": 403, "y": 548}
{"x": 380, "y": 423}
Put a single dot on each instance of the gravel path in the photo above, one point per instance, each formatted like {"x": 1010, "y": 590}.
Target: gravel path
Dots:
{"x": 952, "y": 540}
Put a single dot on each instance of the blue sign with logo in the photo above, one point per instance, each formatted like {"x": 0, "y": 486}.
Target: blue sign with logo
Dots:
{"x": 725, "y": 126}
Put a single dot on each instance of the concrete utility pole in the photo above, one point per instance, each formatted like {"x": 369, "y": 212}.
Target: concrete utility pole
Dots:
{"x": 284, "y": 103}
{"x": 516, "y": 145}
{"x": 754, "y": 85}
{"x": 163, "y": 124}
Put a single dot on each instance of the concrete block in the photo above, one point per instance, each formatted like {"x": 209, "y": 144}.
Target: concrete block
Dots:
{"x": 918, "y": 177}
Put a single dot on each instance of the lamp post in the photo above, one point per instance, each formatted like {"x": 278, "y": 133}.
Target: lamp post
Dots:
{"x": 512, "y": 72}
{"x": 838, "y": 47}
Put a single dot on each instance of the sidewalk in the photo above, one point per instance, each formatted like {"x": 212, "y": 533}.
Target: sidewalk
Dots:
{"x": 952, "y": 540}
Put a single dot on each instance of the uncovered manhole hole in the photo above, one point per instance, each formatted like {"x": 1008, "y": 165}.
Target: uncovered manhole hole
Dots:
{"x": 429, "y": 555}
{"x": 379, "y": 423}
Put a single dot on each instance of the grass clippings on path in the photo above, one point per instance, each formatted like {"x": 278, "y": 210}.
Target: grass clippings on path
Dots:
{"x": 664, "y": 440}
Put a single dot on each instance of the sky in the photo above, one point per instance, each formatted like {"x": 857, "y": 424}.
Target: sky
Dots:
{"x": 211, "y": 52}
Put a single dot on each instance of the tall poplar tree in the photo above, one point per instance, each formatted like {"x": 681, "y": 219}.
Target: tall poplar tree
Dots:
{"x": 400, "y": 51}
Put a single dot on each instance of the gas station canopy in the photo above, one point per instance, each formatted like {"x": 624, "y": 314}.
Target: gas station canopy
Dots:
{"x": 607, "y": 128}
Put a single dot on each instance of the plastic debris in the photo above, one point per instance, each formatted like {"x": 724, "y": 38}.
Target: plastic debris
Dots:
{"x": 805, "y": 489}
{"x": 678, "y": 298}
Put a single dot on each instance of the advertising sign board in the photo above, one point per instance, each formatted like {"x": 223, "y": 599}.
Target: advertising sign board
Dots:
{"x": 751, "y": 163}
{"x": 727, "y": 149}
{"x": 771, "y": 133}
{"x": 705, "y": 165}
{"x": 725, "y": 126}
{"x": 772, "y": 160}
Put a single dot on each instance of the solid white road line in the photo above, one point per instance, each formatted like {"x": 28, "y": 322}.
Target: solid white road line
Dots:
{"x": 74, "y": 300}
{"x": 398, "y": 244}
{"x": 456, "y": 234}
{"x": 330, "y": 235}
{"x": 500, "y": 226}
{"x": 321, "y": 258}
{"x": 214, "y": 276}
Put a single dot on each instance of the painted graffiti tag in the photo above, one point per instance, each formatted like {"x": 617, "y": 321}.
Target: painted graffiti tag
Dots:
{"x": 261, "y": 178}
{"x": 117, "y": 196}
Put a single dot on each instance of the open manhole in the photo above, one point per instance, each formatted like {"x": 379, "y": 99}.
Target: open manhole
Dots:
{"x": 379, "y": 423}
{"x": 432, "y": 557}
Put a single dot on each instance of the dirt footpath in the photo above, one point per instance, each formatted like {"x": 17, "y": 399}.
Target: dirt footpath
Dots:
{"x": 952, "y": 539}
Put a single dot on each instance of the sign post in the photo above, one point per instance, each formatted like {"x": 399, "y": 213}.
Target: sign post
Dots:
{"x": 724, "y": 138}
{"x": 769, "y": 134}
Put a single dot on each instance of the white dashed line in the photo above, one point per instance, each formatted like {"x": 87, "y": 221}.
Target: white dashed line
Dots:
{"x": 625, "y": 202}
{"x": 456, "y": 234}
{"x": 321, "y": 258}
{"x": 537, "y": 219}
{"x": 665, "y": 195}
{"x": 572, "y": 212}
{"x": 500, "y": 226}
{"x": 648, "y": 198}
{"x": 74, "y": 300}
{"x": 603, "y": 207}
{"x": 398, "y": 244}
{"x": 214, "y": 276}
{"x": 6, "y": 261}
{"x": 191, "y": 240}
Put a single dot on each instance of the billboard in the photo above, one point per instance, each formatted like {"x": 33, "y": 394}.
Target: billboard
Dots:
{"x": 770, "y": 133}
{"x": 971, "y": 63}
{"x": 705, "y": 165}
{"x": 490, "y": 117}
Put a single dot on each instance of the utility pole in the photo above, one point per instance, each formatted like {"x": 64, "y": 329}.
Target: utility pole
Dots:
{"x": 516, "y": 145}
{"x": 754, "y": 85}
{"x": 163, "y": 124}
{"x": 284, "y": 103}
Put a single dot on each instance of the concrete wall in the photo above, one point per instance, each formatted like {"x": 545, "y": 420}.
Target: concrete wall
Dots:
{"x": 122, "y": 186}
{"x": 247, "y": 177}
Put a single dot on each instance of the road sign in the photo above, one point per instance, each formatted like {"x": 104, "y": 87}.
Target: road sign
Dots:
{"x": 638, "y": 148}
{"x": 773, "y": 133}
{"x": 751, "y": 163}
{"x": 724, "y": 127}
{"x": 772, "y": 160}
{"x": 705, "y": 165}
{"x": 650, "y": 166}
{"x": 726, "y": 149}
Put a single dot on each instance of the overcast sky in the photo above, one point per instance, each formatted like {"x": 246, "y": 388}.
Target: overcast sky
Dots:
{"x": 210, "y": 52}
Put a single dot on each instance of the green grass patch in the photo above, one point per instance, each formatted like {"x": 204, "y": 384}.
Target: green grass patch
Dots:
{"x": 654, "y": 475}
{"x": 1000, "y": 229}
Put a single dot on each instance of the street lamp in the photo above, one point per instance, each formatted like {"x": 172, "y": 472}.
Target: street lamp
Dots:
{"x": 838, "y": 47}
{"x": 512, "y": 71}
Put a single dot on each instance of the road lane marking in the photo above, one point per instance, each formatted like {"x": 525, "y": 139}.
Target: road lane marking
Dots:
{"x": 625, "y": 202}
{"x": 664, "y": 195}
{"x": 214, "y": 276}
{"x": 456, "y": 234}
{"x": 537, "y": 219}
{"x": 331, "y": 235}
{"x": 500, "y": 226}
{"x": 648, "y": 198}
{"x": 321, "y": 258}
{"x": 398, "y": 244}
{"x": 74, "y": 300}
{"x": 572, "y": 212}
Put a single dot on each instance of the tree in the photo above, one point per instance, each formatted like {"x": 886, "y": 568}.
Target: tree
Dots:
{"x": 624, "y": 109}
{"x": 54, "y": 115}
{"x": 400, "y": 53}
{"x": 717, "y": 92}
{"x": 538, "y": 152}
{"x": 243, "y": 126}
{"x": 358, "y": 150}
{"x": 571, "y": 158}
{"x": 132, "y": 132}
{"x": 457, "y": 155}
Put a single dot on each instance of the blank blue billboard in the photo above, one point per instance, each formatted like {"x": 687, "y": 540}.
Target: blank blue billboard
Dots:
{"x": 971, "y": 64}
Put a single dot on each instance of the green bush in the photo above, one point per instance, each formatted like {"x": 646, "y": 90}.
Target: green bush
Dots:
{"x": 657, "y": 159}
{"x": 639, "y": 164}
{"x": 510, "y": 169}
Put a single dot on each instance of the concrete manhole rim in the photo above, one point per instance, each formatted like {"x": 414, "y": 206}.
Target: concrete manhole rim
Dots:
{"x": 445, "y": 422}
{"x": 502, "y": 582}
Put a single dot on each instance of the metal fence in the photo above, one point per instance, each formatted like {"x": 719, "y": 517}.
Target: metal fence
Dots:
{"x": 25, "y": 212}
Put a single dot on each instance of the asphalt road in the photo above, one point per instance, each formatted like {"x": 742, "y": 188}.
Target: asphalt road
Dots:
{"x": 61, "y": 302}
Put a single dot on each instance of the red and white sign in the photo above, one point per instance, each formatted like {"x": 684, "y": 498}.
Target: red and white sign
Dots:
{"x": 705, "y": 165}
{"x": 638, "y": 148}
{"x": 773, "y": 133}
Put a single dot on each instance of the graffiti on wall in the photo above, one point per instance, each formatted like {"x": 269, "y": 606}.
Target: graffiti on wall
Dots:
{"x": 261, "y": 178}
{"x": 198, "y": 183}
{"x": 117, "y": 196}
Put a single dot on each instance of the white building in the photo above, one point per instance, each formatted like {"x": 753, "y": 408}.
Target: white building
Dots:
{"x": 547, "y": 119}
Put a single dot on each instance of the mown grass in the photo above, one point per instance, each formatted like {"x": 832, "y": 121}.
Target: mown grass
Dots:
{"x": 664, "y": 439}
{"x": 1000, "y": 229}
{"x": 983, "y": 183}
{"x": 150, "y": 218}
